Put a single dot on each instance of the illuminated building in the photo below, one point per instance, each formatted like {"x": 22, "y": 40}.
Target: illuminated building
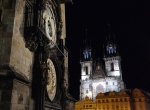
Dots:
{"x": 86, "y": 103}
{"x": 96, "y": 78}
{"x": 113, "y": 101}
{"x": 106, "y": 101}
{"x": 124, "y": 100}
{"x": 102, "y": 87}
{"x": 140, "y": 100}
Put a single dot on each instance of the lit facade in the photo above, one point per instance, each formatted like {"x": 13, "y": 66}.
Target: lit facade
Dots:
{"x": 85, "y": 104}
{"x": 94, "y": 77}
{"x": 123, "y": 100}
{"x": 113, "y": 101}
{"x": 102, "y": 87}
{"x": 140, "y": 100}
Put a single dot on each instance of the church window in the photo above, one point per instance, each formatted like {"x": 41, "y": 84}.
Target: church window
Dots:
{"x": 113, "y": 83}
{"x": 112, "y": 66}
{"x": 86, "y": 91}
{"x": 86, "y": 70}
{"x": 110, "y": 49}
{"x": 86, "y": 55}
{"x": 106, "y": 83}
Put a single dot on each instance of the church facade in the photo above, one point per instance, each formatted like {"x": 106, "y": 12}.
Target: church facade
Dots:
{"x": 97, "y": 77}
{"x": 102, "y": 86}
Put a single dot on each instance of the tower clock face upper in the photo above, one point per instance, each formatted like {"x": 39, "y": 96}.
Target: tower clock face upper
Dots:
{"x": 50, "y": 25}
{"x": 51, "y": 80}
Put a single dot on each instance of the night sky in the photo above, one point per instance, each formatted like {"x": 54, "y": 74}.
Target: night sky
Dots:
{"x": 129, "y": 21}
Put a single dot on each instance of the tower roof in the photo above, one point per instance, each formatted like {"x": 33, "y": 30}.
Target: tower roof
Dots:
{"x": 86, "y": 51}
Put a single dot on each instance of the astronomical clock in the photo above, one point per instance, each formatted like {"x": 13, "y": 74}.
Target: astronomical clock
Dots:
{"x": 43, "y": 33}
{"x": 50, "y": 25}
{"x": 52, "y": 81}
{"x": 51, "y": 84}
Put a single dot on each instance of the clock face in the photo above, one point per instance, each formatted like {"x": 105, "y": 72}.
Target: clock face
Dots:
{"x": 51, "y": 80}
{"x": 50, "y": 26}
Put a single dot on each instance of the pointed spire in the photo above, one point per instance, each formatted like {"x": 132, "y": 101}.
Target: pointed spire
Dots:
{"x": 85, "y": 39}
{"x": 87, "y": 50}
{"x": 86, "y": 33}
{"x": 109, "y": 30}
{"x": 103, "y": 50}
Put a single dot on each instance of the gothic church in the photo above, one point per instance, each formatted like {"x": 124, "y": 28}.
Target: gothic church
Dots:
{"x": 95, "y": 77}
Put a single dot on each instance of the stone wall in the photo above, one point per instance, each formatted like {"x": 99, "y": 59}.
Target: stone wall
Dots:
{"x": 21, "y": 57}
{"x": 6, "y": 30}
{"x": 15, "y": 59}
{"x": 13, "y": 51}
{"x": 20, "y": 96}
{"x": 14, "y": 95}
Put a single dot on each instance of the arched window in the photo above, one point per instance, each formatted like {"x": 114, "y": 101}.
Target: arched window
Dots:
{"x": 87, "y": 91}
{"x": 99, "y": 89}
{"x": 86, "y": 70}
{"x": 112, "y": 66}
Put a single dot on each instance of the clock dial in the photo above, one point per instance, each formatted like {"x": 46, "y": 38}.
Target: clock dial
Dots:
{"x": 50, "y": 26}
{"x": 51, "y": 80}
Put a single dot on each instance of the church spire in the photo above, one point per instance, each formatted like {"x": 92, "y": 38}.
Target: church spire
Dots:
{"x": 110, "y": 46}
{"x": 87, "y": 49}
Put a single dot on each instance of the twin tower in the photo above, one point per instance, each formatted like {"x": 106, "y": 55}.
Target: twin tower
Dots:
{"x": 101, "y": 77}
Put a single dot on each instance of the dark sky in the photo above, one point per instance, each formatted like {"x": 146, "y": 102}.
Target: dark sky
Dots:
{"x": 129, "y": 21}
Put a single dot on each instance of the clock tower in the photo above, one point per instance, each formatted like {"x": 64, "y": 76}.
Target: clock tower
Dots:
{"x": 33, "y": 57}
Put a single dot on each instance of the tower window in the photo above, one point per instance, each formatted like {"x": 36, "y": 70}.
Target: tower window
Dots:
{"x": 86, "y": 91}
{"x": 86, "y": 55}
{"x": 106, "y": 83}
{"x": 86, "y": 70}
{"x": 112, "y": 66}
